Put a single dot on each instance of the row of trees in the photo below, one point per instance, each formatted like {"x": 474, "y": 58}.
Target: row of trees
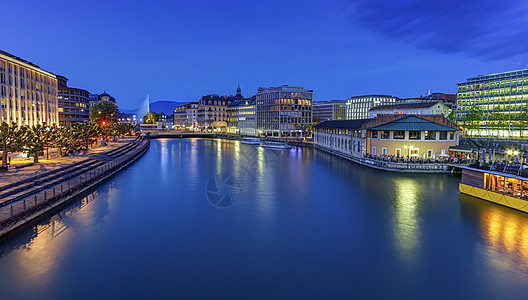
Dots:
{"x": 67, "y": 137}
{"x": 153, "y": 117}
{"x": 496, "y": 120}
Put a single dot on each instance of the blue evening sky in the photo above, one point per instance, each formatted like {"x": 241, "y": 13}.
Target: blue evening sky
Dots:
{"x": 180, "y": 50}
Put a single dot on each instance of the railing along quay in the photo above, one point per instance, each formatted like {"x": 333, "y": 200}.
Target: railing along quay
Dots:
{"x": 19, "y": 205}
{"x": 411, "y": 167}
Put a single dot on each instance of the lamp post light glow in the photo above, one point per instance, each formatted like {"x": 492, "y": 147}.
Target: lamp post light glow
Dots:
{"x": 410, "y": 148}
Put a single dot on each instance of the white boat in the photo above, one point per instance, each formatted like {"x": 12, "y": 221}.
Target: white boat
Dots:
{"x": 275, "y": 145}
{"x": 251, "y": 141}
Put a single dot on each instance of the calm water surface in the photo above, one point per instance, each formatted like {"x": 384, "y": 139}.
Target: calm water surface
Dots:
{"x": 200, "y": 218}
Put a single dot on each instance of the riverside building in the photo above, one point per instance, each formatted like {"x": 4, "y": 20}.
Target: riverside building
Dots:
{"x": 412, "y": 108}
{"x": 232, "y": 117}
{"x": 502, "y": 99}
{"x": 247, "y": 121}
{"x": 180, "y": 118}
{"x": 284, "y": 111}
{"x": 104, "y": 97}
{"x": 212, "y": 111}
{"x": 192, "y": 115}
{"x": 73, "y": 102}
{"x": 389, "y": 135}
{"x": 358, "y": 107}
{"x": 328, "y": 110}
{"x": 28, "y": 94}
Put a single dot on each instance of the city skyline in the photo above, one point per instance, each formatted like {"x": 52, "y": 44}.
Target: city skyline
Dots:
{"x": 180, "y": 51}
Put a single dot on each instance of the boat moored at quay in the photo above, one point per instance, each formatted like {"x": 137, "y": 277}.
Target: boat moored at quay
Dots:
{"x": 275, "y": 145}
{"x": 251, "y": 141}
{"x": 501, "y": 184}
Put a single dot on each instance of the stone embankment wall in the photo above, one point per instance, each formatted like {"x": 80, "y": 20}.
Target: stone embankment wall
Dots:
{"x": 392, "y": 166}
{"x": 24, "y": 210}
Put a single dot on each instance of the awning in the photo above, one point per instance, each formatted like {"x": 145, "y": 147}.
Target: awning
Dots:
{"x": 463, "y": 150}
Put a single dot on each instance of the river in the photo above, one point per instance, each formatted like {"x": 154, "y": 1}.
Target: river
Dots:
{"x": 206, "y": 218}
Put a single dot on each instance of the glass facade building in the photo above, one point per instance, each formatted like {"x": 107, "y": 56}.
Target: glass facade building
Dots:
{"x": 28, "y": 94}
{"x": 246, "y": 117}
{"x": 501, "y": 98}
{"x": 358, "y": 107}
{"x": 329, "y": 110}
{"x": 284, "y": 111}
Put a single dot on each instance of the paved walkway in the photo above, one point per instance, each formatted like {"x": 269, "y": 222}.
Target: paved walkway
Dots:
{"x": 44, "y": 165}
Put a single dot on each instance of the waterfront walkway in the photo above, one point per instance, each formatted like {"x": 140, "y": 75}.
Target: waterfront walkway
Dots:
{"x": 27, "y": 193}
{"x": 400, "y": 165}
{"x": 44, "y": 165}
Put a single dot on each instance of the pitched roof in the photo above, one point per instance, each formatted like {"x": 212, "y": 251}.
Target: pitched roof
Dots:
{"x": 406, "y": 105}
{"x": 412, "y": 123}
{"x": 343, "y": 124}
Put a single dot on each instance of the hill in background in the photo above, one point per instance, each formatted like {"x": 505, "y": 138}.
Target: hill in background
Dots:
{"x": 164, "y": 106}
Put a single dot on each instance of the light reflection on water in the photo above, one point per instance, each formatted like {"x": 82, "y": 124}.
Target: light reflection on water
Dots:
{"x": 306, "y": 224}
{"x": 406, "y": 225}
{"x": 36, "y": 255}
{"x": 506, "y": 232}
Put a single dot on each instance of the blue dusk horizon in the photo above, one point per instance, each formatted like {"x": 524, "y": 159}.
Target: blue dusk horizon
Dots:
{"x": 338, "y": 48}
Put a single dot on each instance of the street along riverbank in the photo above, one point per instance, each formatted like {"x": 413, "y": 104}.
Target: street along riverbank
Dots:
{"x": 33, "y": 195}
{"x": 408, "y": 167}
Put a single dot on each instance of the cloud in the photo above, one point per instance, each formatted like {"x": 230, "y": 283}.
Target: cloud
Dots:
{"x": 488, "y": 29}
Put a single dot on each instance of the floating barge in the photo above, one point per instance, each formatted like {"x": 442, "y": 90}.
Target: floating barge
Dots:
{"x": 506, "y": 189}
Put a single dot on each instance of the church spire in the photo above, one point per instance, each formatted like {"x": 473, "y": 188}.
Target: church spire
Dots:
{"x": 239, "y": 92}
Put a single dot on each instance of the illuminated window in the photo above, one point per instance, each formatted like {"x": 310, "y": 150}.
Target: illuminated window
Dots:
{"x": 414, "y": 135}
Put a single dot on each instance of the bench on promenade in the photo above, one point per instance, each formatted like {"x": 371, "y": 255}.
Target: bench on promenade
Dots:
{"x": 20, "y": 166}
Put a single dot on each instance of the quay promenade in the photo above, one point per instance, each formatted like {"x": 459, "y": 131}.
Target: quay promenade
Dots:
{"x": 408, "y": 167}
{"x": 29, "y": 192}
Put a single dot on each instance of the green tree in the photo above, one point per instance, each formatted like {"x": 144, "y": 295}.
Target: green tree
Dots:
{"x": 85, "y": 133}
{"x": 500, "y": 120}
{"x": 473, "y": 118}
{"x": 124, "y": 128}
{"x": 104, "y": 113}
{"x": 62, "y": 138}
{"x": 152, "y": 118}
{"x": 36, "y": 139}
{"x": 12, "y": 139}
{"x": 452, "y": 116}
{"x": 522, "y": 120}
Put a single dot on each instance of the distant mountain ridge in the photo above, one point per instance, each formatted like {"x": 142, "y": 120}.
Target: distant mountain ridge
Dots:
{"x": 165, "y": 106}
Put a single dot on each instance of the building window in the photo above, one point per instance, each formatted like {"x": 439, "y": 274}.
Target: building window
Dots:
{"x": 399, "y": 135}
{"x": 385, "y": 135}
{"x": 374, "y": 150}
{"x": 429, "y": 153}
{"x": 397, "y": 152}
{"x": 384, "y": 151}
{"x": 375, "y": 134}
{"x": 443, "y": 135}
{"x": 414, "y": 135}
{"x": 430, "y": 135}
